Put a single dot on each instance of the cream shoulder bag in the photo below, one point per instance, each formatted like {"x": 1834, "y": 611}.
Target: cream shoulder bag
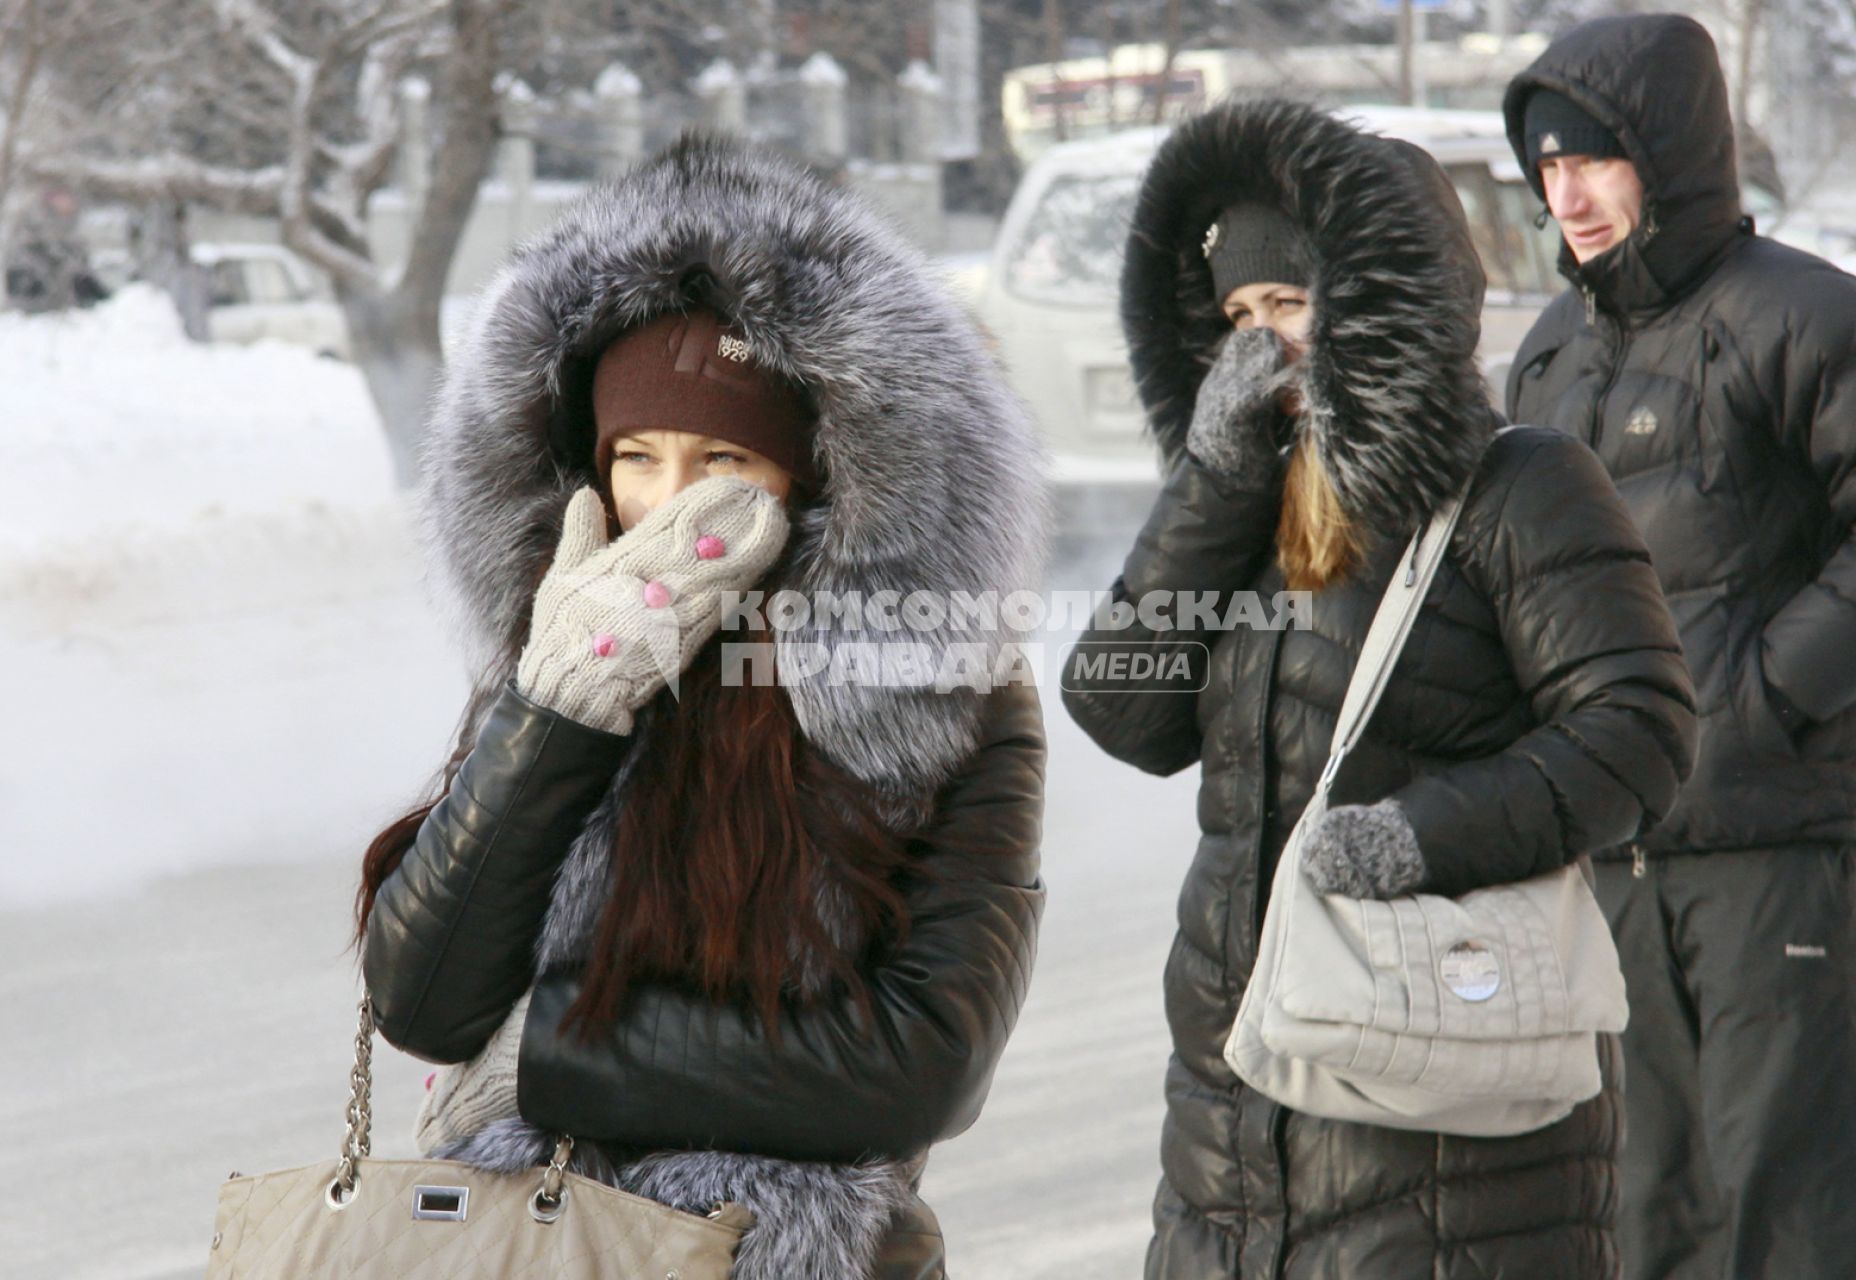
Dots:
{"x": 1475, "y": 1015}
{"x": 358, "y": 1218}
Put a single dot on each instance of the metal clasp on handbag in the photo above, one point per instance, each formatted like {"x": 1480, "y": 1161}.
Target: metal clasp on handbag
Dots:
{"x": 445, "y": 1204}
{"x": 440, "y": 1204}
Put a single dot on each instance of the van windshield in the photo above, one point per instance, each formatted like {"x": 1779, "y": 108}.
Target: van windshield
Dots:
{"x": 1069, "y": 252}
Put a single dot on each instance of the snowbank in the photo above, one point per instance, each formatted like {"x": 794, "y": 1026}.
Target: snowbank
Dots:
{"x": 112, "y": 420}
{"x": 209, "y": 595}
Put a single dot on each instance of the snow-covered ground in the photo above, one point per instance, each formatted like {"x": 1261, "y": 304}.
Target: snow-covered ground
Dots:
{"x": 199, "y": 547}
{"x": 221, "y": 676}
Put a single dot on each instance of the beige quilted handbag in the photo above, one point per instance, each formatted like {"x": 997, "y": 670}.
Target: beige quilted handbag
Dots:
{"x": 404, "y": 1219}
{"x": 1476, "y": 1015}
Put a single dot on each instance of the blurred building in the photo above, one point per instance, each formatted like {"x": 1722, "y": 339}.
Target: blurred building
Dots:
{"x": 886, "y": 141}
{"x": 1136, "y": 84}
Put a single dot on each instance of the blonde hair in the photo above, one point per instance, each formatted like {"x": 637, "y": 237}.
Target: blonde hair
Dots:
{"x": 1316, "y": 541}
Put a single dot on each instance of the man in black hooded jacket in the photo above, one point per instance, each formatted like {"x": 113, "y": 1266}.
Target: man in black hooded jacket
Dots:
{"x": 1714, "y": 372}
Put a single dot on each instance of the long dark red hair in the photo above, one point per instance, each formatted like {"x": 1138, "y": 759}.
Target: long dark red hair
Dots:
{"x": 732, "y": 834}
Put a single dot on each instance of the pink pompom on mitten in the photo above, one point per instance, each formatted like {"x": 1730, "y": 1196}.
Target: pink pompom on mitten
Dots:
{"x": 615, "y": 620}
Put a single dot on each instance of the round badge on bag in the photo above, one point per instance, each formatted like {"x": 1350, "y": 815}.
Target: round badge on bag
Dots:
{"x": 1472, "y": 971}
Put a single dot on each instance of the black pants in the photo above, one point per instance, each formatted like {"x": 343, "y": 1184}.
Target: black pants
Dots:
{"x": 1739, "y": 1158}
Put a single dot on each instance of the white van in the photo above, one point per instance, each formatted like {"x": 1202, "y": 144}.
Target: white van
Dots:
{"x": 1049, "y": 293}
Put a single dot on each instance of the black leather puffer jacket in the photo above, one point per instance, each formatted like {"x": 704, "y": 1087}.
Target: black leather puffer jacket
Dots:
{"x": 1714, "y": 372}
{"x": 451, "y": 943}
{"x": 1540, "y": 709}
{"x": 932, "y": 481}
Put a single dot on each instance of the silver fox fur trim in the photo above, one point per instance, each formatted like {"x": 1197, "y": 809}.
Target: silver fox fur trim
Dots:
{"x": 811, "y": 1221}
{"x": 934, "y": 482}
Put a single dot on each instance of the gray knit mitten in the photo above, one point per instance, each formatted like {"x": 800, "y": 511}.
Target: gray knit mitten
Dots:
{"x": 1236, "y": 416}
{"x": 1364, "y": 851}
{"x": 615, "y": 622}
{"x": 467, "y": 1097}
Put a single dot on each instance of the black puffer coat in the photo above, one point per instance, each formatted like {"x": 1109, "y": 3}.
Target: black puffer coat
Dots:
{"x": 1715, "y": 374}
{"x": 1540, "y": 710}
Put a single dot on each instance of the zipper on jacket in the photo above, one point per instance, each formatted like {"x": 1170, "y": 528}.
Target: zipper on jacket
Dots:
{"x": 1611, "y": 375}
{"x": 1260, "y": 900}
{"x": 1639, "y": 865}
{"x": 1279, "y": 1146}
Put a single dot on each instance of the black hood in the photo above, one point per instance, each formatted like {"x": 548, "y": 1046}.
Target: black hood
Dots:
{"x": 1395, "y": 401}
{"x": 1655, "y": 81}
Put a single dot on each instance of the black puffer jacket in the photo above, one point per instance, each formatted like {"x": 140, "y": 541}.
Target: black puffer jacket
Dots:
{"x": 1715, "y": 374}
{"x": 1540, "y": 710}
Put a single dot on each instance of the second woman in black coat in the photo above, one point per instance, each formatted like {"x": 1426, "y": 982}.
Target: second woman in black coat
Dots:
{"x": 1540, "y": 711}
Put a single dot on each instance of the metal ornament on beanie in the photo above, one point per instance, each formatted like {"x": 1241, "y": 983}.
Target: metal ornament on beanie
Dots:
{"x": 1252, "y": 243}
{"x": 689, "y": 371}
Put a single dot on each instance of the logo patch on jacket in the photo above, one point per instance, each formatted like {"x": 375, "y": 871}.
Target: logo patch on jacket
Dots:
{"x": 733, "y": 348}
{"x": 1642, "y": 422}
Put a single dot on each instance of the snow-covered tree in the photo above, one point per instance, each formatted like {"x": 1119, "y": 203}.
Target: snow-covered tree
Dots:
{"x": 290, "y": 109}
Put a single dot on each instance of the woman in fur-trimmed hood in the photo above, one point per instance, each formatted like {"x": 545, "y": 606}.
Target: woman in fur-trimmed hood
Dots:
{"x": 1302, "y": 304}
{"x": 743, "y": 941}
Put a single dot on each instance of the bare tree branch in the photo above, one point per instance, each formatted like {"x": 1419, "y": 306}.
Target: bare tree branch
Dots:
{"x": 391, "y": 22}
{"x": 261, "y": 29}
{"x": 169, "y": 177}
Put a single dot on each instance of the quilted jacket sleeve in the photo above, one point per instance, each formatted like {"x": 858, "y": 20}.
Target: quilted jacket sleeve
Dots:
{"x": 1806, "y": 646}
{"x": 1203, "y": 536}
{"x": 1593, "y": 648}
{"x": 680, "y": 1071}
{"x": 450, "y": 944}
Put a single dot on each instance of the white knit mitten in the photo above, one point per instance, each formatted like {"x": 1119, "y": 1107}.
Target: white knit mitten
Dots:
{"x": 467, "y": 1097}
{"x": 615, "y": 622}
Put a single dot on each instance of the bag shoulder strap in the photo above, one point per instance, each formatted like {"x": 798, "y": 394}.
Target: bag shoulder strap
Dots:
{"x": 1385, "y": 638}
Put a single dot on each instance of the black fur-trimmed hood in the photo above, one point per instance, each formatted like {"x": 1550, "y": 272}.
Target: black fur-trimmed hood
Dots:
{"x": 1394, "y": 397}
{"x": 934, "y": 480}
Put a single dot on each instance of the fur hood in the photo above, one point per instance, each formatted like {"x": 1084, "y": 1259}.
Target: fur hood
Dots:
{"x": 933, "y": 477}
{"x": 1395, "y": 400}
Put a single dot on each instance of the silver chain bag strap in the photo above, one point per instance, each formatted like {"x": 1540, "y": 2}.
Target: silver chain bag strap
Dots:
{"x": 374, "y": 1219}
{"x": 1475, "y": 1015}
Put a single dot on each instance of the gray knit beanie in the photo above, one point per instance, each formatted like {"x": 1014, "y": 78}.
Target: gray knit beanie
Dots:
{"x": 1254, "y": 242}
